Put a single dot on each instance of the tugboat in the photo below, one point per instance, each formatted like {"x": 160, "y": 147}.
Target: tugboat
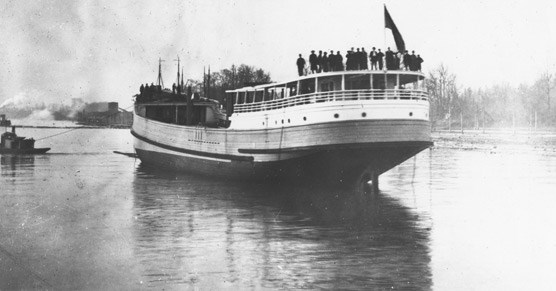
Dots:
{"x": 10, "y": 143}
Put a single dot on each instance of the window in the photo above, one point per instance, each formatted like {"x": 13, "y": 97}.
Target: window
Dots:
{"x": 250, "y": 97}
{"x": 291, "y": 88}
{"x": 358, "y": 82}
{"x": 307, "y": 86}
{"x": 378, "y": 81}
{"x": 391, "y": 81}
{"x": 241, "y": 98}
{"x": 259, "y": 95}
{"x": 330, "y": 83}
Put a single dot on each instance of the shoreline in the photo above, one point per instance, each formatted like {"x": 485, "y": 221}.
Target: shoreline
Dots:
{"x": 492, "y": 138}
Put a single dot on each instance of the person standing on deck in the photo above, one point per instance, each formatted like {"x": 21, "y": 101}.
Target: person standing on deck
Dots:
{"x": 364, "y": 63}
{"x": 356, "y": 59}
{"x": 397, "y": 57}
{"x": 300, "y": 65}
{"x": 413, "y": 61}
{"x": 319, "y": 62}
{"x": 313, "y": 62}
{"x": 348, "y": 60}
{"x": 325, "y": 62}
{"x": 352, "y": 60}
{"x": 418, "y": 62}
{"x": 379, "y": 57}
{"x": 406, "y": 61}
{"x": 390, "y": 59}
{"x": 332, "y": 61}
{"x": 372, "y": 57}
{"x": 339, "y": 62}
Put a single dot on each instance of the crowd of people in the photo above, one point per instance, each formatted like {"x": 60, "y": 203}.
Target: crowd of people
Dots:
{"x": 359, "y": 59}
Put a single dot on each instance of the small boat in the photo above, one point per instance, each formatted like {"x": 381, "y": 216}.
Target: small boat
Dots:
{"x": 10, "y": 143}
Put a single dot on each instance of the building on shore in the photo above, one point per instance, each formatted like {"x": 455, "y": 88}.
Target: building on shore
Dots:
{"x": 104, "y": 114}
{"x": 3, "y": 121}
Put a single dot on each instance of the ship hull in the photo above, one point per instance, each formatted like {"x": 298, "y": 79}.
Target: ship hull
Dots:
{"x": 325, "y": 166}
{"x": 335, "y": 152}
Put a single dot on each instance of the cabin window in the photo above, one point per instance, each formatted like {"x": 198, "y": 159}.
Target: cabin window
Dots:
{"x": 240, "y": 97}
{"x": 391, "y": 81}
{"x": 259, "y": 95}
{"x": 267, "y": 94}
{"x": 291, "y": 89}
{"x": 378, "y": 82}
{"x": 250, "y": 97}
{"x": 411, "y": 82}
{"x": 358, "y": 82}
{"x": 307, "y": 86}
{"x": 271, "y": 94}
{"x": 330, "y": 83}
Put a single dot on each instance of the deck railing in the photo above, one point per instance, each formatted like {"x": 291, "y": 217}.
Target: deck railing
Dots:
{"x": 331, "y": 96}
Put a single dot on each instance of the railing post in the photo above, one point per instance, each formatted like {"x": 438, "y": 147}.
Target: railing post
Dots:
{"x": 343, "y": 86}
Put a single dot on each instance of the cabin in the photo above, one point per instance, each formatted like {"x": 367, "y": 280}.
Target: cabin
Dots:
{"x": 9, "y": 140}
{"x": 327, "y": 87}
{"x": 182, "y": 109}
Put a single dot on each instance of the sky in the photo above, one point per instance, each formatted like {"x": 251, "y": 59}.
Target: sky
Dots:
{"x": 52, "y": 51}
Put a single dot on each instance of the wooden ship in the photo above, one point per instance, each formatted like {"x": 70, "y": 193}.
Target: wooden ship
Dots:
{"x": 341, "y": 127}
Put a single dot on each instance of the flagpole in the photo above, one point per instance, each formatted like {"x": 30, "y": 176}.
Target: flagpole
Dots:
{"x": 384, "y": 31}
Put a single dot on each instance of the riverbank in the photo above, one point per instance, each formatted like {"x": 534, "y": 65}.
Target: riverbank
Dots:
{"x": 494, "y": 138}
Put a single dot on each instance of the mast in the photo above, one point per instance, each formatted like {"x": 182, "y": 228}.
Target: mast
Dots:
{"x": 178, "y": 80}
{"x": 182, "y": 83}
{"x": 208, "y": 83}
{"x": 159, "y": 80}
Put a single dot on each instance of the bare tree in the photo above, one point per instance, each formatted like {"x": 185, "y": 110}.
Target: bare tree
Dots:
{"x": 442, "y": 89}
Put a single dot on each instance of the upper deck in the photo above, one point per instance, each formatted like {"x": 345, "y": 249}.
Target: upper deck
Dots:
{"x": 327, "y": 87}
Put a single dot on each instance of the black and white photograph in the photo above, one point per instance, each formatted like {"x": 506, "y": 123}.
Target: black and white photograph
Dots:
{"x": 277, "y": 145}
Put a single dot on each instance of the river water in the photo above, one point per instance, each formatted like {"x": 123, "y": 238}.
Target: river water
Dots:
{"x": 456, "y": 217}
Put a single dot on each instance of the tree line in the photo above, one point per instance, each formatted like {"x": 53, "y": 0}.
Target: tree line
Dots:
{"x": 452, "y": 106}
{"x": 215, "y": 84}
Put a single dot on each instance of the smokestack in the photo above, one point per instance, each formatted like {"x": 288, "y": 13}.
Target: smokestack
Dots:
{"x": 13, "y": 129}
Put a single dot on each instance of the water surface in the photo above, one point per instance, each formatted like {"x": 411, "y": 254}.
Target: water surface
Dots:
{"x": 451, "y": 218}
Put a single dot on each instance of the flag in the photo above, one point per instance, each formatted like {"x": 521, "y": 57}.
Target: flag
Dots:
{"x": 389, "y": 23}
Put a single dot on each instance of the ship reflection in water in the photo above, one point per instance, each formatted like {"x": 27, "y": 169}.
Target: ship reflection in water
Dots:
{"x": 213, "y": 234}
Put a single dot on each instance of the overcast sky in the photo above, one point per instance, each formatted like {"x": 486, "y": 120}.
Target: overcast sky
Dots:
{"x": 103, "y": 50}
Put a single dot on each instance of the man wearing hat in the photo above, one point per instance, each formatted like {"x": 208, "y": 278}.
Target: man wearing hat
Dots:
{"x": 372, "y": 56}
{"x": 313, "y": 62}
{"x": 300, "y": 65}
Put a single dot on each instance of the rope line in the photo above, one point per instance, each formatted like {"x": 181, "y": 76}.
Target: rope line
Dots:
{"x": 60, "y": 133}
